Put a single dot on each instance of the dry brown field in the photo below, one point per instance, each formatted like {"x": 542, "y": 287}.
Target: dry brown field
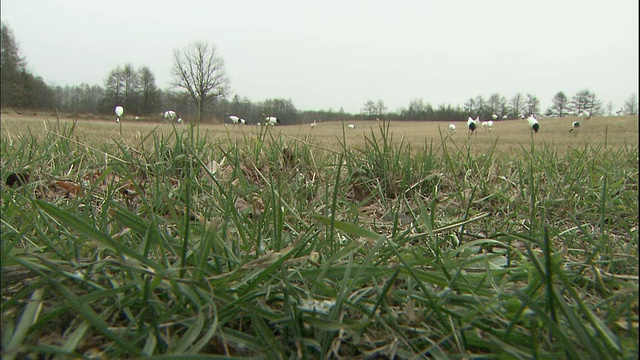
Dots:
{"x": 509, "y": 136}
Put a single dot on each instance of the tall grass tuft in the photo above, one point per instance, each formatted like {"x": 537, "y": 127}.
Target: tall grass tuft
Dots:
{"x": 257, "y": 244}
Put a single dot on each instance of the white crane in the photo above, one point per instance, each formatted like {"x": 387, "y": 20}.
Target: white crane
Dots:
{"x": 486, "y": 125}
{"x": 533, "y": 123}
{"x": 452, "y": 128}
{"x": 119, "y": 113}
{"x": 575, "y": 126}
{"x": 171, "y": 115}
{"x": 234, "y": 119}
{"x": 504, "y": 117}
{"x": 271, "y": 120}
{"x": 494, "y": 116}
{"x": 351, "y": 126}
{"x": 473, "y": 124}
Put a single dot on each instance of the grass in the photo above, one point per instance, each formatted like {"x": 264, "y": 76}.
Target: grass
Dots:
{"x": 380, "y": 242}
{"x": 510, "y": 135}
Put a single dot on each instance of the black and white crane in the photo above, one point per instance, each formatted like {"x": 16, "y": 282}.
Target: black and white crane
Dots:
{"x": 533, "y": 123}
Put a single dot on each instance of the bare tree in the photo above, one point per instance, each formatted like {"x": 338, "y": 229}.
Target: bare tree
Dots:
{"x": 481, "y": 103}
{"x": 631, "y": 105}
{"x": 517, "y": 105}
{"x": 380, "y": 108}
{"x": 504, "y": 107}
{"x": 609, "y": 108}
{"x": 532, "y": 104}
{"x": 369, "y": 109}
{"x": 470, "y": 105}
{"x": 199, "y": 69}
{"x": 494, "y": 104}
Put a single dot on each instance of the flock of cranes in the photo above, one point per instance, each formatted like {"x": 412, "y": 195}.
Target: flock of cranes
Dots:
{"x": 472, "y": 124}
{"x": 534, "y": 125}
{"x": 171, "y": 116}
{"x": 268, "y": 120}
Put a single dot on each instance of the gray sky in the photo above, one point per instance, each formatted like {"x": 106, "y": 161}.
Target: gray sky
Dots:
{"x": 333, "y": 54}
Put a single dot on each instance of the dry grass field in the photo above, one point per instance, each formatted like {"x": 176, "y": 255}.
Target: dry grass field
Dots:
{"x": 508, "y": 136}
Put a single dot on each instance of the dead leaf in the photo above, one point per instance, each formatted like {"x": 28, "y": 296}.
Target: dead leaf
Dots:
{"x": 66, "y": 188}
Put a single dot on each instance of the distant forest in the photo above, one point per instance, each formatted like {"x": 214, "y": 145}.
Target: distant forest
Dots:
{"x": 136, "y": 90}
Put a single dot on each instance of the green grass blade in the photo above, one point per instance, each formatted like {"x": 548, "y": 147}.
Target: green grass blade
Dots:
{"x": 27, "y": 318}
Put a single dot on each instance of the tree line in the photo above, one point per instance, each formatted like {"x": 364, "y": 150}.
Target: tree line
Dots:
{"x": 496, "y": 105}
{"x": 203, "y": 86}
{"x": 19, "y": 88}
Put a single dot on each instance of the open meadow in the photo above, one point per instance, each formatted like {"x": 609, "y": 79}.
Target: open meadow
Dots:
{"x": 393, "y": 240}
{"x": 511, "y": 135}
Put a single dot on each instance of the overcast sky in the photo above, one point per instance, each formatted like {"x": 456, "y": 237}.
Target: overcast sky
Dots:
{"x": 333, "y": 54}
